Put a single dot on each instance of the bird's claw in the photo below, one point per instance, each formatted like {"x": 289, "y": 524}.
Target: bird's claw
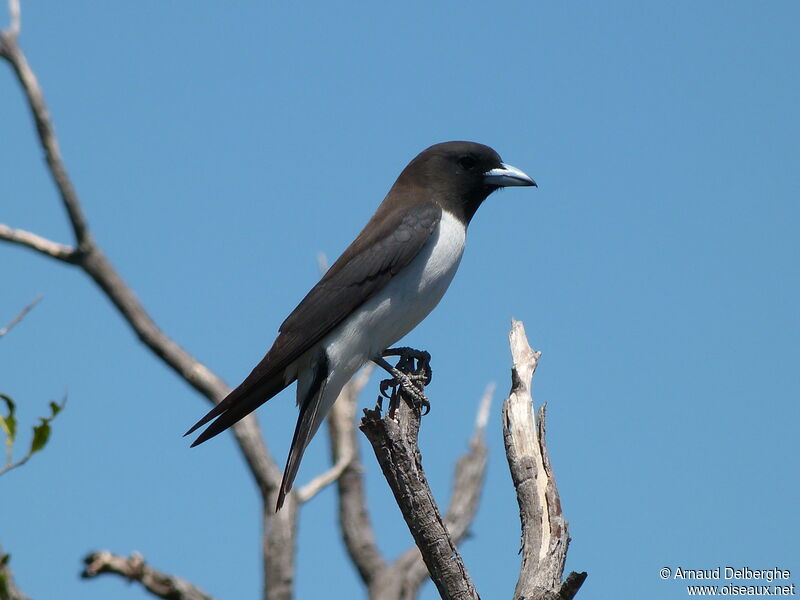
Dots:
{"x": 407, "y": 379}
{"x": 421, "y": 372}
{"x": 385, "y": 385}
{"x": 411, "y": 392}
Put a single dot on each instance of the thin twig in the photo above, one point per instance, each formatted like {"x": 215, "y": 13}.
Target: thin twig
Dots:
{"x": 134, "y": 568}
{"x": 13, "y": 465}
{"x": 15, "y": 321}
{"x": 47, "y": 135}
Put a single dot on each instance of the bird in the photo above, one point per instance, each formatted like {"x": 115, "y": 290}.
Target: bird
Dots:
{"x": 382, "y": 286}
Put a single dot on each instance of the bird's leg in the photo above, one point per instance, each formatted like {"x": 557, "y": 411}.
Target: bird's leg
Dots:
{"x": 405, "y": 377}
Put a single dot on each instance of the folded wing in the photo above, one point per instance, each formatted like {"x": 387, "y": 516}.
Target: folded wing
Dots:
{"x": 387, "y": 244}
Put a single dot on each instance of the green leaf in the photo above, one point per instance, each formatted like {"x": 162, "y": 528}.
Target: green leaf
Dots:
{"x": 55, "y": 408}
{"x": 41, "y": 433}
{"x": 4, "y": 560}
{"x": 9, "y": 422}
{"x": 9, "y": 402}
{"x": 9, "y": 427}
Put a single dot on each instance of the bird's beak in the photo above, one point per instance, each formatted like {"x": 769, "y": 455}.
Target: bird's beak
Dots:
{"x": 506, "y": 175}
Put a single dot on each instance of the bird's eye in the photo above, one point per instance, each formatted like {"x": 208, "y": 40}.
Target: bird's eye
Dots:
{"x": 467, "y": 162}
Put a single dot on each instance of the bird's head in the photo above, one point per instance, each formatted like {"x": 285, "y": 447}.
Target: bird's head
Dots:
{"x": 461, "y": 175}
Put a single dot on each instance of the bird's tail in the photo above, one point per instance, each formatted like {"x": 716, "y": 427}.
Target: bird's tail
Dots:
{"x": 313, "y": 409}
{"x": 237, "y": 405}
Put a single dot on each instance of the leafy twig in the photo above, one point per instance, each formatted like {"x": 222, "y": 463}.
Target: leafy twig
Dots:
{"x": 41, "y": 432}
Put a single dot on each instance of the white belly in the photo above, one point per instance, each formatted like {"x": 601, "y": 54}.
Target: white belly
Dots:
{"x": 401, "y": 305}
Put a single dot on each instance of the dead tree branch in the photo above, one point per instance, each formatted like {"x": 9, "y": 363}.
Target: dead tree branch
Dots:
{"x": 402, "y": 579}
{"x": 134, "y": 568}
{"x": 394, "y": 441}
{"x": 30, "y": 240}
{"x": 468, "y": 485}
{"x": 545, "y": 534}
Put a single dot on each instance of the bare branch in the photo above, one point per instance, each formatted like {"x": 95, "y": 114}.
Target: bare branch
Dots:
{"x": 323, "y": 480}
{"x": 15, "y": 321}
{"x": 47, "y": 137}
{"x": 545, "y": 535}
{"x": 278, "y": 547}
{"x": 395, "y": 443}
{"x": 35, "y": 242}
{"x": 91, "y": 259}
{"x": 403, "y": 578}
{"x": 346, "y": 450}
{"x": 468, "y": 484}
{"x": 134, "y": 568}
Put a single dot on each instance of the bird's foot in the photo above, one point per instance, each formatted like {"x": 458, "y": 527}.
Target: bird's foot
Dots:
{"x": 407, "y": 379}
{"x": 406, "y": 363}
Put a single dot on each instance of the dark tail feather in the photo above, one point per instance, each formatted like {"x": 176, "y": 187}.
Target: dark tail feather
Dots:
{"x": 303, "y": 433}
{"x": 237, "y": 405}
{"x": 214, "y": 412}
{"x": 307, "y": 425}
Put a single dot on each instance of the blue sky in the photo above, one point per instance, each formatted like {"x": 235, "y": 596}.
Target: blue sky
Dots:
{"x": 218, "y": 149}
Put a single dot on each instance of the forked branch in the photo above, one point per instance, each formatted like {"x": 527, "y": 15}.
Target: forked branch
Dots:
{"x": 90, "y": 258}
